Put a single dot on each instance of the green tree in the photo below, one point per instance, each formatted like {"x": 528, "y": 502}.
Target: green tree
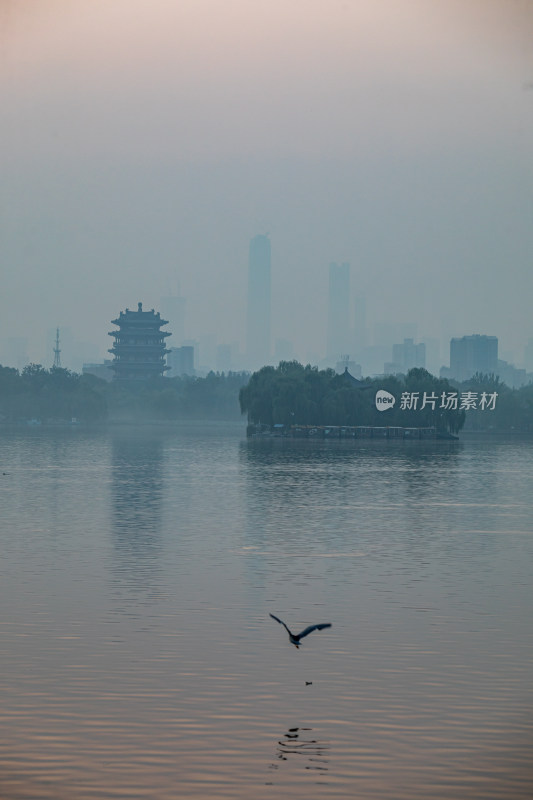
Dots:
{"x": 293, "y": 394}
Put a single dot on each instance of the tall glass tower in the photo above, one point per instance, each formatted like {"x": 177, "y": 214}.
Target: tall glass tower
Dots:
{"x": 259, "y": 292}
{"x": 338, "y": 343}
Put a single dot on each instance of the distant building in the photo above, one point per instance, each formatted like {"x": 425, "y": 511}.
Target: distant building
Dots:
{"x": 259, "y": 302}
{"x": 433, "y": 361}
{"x": 224, "y": 358}
{"x": 346, "y": 365}
{"x": 386, "y": 333}
{"x": 102, "y": 370}
{"x": 528, "y": 355}
{"x": 180, "y": 361}
{"x": 338, "y": 332}
{"x": 359, "y": 331}
{"x": 406, "y": 356}
{"x": 205, "y": 352}
{"x": 471, "y": 354}
{"x": 173, "y": 308}
{"x": 511, "y": 375}
{"x": 139, "y": 348}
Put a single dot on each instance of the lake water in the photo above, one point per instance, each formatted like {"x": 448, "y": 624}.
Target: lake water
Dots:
{"x": 138, "y": 659}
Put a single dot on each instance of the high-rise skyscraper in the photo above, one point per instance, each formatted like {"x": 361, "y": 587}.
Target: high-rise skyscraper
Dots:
{"x": 528, "y": 355}
{"x": 471, "y": 354}
{"x": 173, "y": 308}
{"x": 338, "y": 336}
{"x": 180, "y": 361}
{"x": 359, "y": 330}
{"x": 259, "y": 291}
{"x": 405, "y": 356}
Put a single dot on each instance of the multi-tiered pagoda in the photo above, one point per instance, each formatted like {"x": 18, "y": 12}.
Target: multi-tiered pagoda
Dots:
{"x": 139, "y": 348}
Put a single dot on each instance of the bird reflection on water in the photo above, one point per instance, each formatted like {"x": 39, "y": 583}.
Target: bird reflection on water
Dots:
{"x": 297, "y": 747}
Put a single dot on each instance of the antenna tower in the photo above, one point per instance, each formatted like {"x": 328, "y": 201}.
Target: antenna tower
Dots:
{"x": 57, "y": 351}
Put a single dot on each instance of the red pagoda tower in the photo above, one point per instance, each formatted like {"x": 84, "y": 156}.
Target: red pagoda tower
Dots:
{"x": 139, "y": 347}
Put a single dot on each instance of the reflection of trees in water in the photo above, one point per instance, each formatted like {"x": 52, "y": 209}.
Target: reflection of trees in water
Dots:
{"x": 137, "y": 477}
{"x": 300, "y": 468}
{"x": 425, "y": 467}
{"x": 340, "y": 497}
{"x": 290, "y": 475}
{"x": 299, "y": 748}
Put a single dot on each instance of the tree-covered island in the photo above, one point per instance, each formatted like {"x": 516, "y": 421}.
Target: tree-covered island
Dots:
{"x": 292, "y": 394}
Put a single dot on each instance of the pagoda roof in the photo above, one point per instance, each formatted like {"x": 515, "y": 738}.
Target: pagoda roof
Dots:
{"x": 139, "y": 316}
{"x": 128, "y": 333}
{"x": 350, "y": 379}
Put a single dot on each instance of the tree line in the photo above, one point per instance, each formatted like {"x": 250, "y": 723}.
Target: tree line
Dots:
{"x": 289, "y": 394}
{"x": 57, "y": 394}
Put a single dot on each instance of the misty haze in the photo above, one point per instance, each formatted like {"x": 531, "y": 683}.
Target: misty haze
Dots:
{"x": 145, "y": 146}
{"x": 266, "y": 353}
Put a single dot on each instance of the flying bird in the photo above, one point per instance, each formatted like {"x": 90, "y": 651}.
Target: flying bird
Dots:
{"x": 295, "y": 637}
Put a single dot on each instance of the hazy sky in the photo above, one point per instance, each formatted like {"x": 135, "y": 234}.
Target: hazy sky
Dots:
{"x": 144, "y": 142}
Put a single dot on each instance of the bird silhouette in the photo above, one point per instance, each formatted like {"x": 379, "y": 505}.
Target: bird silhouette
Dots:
{"x": 296, "y": 637}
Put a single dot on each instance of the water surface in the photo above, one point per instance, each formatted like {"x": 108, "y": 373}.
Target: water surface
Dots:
{"x": 138, "y": 660}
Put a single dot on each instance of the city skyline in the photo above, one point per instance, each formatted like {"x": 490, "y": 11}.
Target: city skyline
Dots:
{"x": 374, "y": 358}
{"x": 20, "y": 350}
{"x": 344, "y": 312}
{"x": 143, "y": 151}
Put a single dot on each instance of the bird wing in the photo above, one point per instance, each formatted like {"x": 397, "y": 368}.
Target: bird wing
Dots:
{"x": 312, "y": 628}
{"x": 281, "y": 623}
